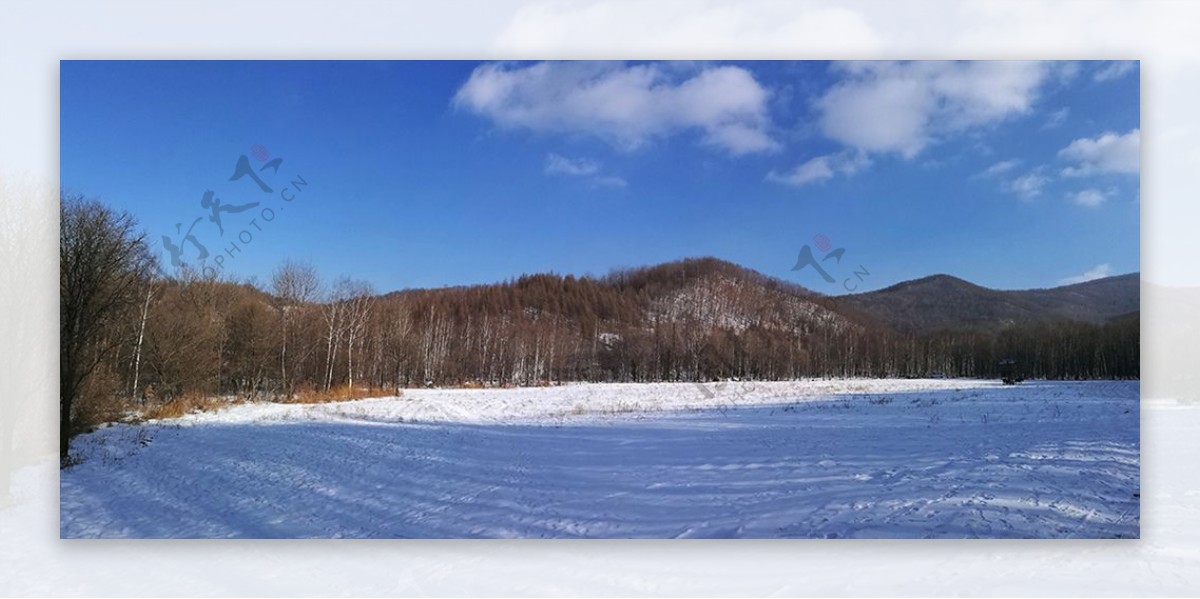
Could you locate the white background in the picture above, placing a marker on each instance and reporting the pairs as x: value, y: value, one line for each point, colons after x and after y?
x: 34, y: 36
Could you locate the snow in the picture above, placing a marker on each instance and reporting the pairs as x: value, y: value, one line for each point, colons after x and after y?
x: 825, y: 459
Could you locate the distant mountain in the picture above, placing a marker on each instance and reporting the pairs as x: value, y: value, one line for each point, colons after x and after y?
x: 1094, y: 301
x: 944, y: 302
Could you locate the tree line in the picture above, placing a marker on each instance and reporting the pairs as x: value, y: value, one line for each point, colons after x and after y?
x: 133, y: 333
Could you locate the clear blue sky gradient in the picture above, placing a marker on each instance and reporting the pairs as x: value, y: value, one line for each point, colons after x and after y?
x: 407, y: 190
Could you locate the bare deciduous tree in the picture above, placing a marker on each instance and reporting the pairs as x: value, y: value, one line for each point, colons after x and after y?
x: 356, y: 297
x: 103, y: 263
x: 295, y: 285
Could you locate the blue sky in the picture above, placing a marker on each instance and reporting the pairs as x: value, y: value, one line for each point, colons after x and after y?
x: 423, y: 174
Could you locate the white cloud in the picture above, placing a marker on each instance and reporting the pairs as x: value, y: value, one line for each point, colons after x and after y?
x: 1115, y: 70
x: 817, y: 169
x: 624, y: 105
x: 904, y: 107
x: 1000, y: 168
x: 822, y: 168
x: 1091, y: 197
x: 1028, y: 186
x: 1097, y: 272
x: 579, y: 167
x: 1109, y: 153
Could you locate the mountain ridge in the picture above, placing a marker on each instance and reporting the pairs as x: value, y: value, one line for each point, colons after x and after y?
x: 700, y: 288
x: 945, y: 302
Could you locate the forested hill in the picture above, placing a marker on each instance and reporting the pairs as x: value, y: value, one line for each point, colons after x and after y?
x: 703, y: 291
x: 718, y: 293
x: 943, y: 302
x: 691, y: 320
x: 130, y: 331
x: 702, y: 318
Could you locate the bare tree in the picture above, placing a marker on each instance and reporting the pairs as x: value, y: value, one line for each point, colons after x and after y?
x: 137, y: 354
x: 296, y: 285
x: 334, y: 313
x: 356, y: 297
x: 103, y: 261
x: 435, y: 342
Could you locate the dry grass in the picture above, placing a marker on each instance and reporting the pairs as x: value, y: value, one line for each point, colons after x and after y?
x: 342, y: 393
x: 182, y: 405
x: 92, y: 410
x: 100, y: 401
x: 96, y: 408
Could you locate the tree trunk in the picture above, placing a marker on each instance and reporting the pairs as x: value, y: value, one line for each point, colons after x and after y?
x: 137, y: 360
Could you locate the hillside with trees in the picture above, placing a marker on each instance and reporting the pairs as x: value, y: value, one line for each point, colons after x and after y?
x: 943, y: 302
x: 132, y: 334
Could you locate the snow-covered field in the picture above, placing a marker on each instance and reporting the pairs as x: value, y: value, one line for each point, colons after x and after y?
x: 845, y: 459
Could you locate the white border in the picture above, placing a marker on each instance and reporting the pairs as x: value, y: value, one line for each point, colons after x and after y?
x: 35, y: 35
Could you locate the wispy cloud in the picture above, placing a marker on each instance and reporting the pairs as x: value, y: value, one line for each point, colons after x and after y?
x: 627, y: 106
x: 999, y: 168
x: 1109, y: 153
x: 1091, y: 197
x: 1097, y: 272
x: 1056, y: 118
x: 585, y: 168
x: 1115, y: 70
x: 1028, y: 186
x: 610, y: 181
x: 561, y: 165
x: 822, y: 168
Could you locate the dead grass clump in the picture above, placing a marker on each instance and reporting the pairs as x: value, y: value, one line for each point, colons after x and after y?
x: 309, y: 394
x: 100, y: 401
x: 624, y: 408
x: 182, y: 405
x: 93, y: 410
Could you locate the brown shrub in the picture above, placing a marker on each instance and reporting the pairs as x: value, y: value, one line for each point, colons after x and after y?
x: 100, y: 401
x: 101, y: 404
x: 308, y: 394
x: 182, y: 405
